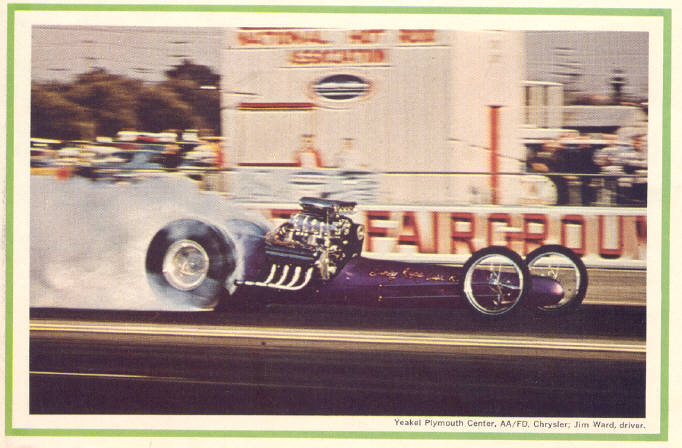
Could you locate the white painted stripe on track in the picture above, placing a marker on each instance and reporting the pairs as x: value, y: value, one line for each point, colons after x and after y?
x: 345, y: 336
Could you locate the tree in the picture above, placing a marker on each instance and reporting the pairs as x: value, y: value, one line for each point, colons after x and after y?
x: 204, y: 103
x: 200, y: 74
x: 160, y: 108
x: 98, y: 103
x: 199, y: 87
x: 111, y: 100
x: 53, y: 116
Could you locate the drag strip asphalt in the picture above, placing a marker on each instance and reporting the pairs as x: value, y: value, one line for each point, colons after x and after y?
x: 341, y: 361
x: 341, y: 339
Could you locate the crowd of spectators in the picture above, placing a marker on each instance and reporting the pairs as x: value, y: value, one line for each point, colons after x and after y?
x: 609, y: 169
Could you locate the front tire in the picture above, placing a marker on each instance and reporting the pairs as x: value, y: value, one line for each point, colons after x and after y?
x: 188, y: 262
x: 495, y: 281
x: 565, y: 267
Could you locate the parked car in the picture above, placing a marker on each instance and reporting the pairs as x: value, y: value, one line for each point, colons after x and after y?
x: 44, y: 152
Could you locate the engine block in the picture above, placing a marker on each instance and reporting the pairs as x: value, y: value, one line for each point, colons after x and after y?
x: 320, y: 235
x: 314, y: 243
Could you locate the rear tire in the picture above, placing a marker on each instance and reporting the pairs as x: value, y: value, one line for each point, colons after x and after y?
x: 188, y: 262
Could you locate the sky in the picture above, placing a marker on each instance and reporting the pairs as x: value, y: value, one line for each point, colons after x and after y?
x: 60, y: 53
x: 594, y: 55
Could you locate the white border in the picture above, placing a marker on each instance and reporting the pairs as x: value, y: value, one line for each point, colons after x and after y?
x: 25, y: 19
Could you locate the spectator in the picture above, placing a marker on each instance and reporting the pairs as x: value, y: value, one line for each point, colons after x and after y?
x: 637, y: 163
x: 349, y: 158
x: 624, y: 159
x: 308, y: 156
x: 636, y: 159
x: 611, y: 157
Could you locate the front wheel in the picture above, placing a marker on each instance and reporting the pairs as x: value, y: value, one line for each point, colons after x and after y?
x: 564, y: 266
x: 495, y: 281
x: 188, y: 262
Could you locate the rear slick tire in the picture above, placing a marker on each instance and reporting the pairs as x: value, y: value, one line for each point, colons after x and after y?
x: 188, y: 262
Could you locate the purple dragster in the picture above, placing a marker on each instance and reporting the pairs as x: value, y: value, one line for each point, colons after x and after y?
x: 315, y: 257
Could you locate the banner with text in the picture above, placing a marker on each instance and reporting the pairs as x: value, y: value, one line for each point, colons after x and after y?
x: 603, y: 237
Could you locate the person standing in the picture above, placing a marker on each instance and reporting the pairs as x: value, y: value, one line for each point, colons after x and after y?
x: 349, y: 158
x: 308, y: 156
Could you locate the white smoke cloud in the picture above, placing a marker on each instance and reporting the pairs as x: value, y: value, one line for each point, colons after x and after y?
x: 89, y: 239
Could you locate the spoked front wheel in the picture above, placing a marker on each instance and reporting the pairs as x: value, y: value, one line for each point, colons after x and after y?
x: 495, y: 281
x: 563, y: 266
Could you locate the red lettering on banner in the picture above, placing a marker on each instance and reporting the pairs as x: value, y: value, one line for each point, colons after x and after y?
x: 409, y: 223
x: 280, y: 37
x: 434, y: 236
x: 373, y: 231
x: 576, y: 220
x: 535, y: 238
x: 498, y: 218
x: 457, y: 236
x: 640, y: 225
x: 605, y: 252
x: 364, y: 36
x: 417, y: 36
x: 640, y: 237
x: 337, y: 57
x: 599, y: 235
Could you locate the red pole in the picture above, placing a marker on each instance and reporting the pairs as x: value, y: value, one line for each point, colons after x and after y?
x: 493, y: 152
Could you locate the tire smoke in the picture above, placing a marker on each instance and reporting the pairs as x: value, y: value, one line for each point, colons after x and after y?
x: 89, y: 239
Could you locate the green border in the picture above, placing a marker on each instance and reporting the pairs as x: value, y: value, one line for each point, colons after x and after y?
x: 665, y: 14
x: 9, y: 224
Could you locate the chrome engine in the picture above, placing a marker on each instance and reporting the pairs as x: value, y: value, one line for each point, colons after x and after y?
x: 315, y: 243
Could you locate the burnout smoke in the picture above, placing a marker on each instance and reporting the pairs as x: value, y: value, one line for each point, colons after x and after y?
x: 89, y: 239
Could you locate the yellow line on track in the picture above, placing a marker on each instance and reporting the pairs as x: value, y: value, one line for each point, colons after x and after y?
x: 345, y: 336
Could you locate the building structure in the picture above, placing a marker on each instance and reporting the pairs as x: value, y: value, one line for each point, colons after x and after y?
x: 417, y: 101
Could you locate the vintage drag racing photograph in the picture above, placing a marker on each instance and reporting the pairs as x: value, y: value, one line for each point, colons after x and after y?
x: 303, y: 219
